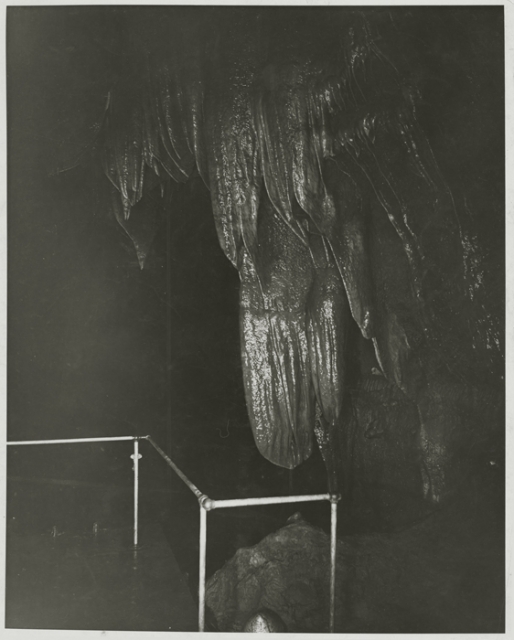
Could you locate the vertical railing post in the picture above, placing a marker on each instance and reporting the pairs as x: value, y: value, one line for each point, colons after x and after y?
x: 201, y: 577
x: 333, y: 549
x: 136, y: 457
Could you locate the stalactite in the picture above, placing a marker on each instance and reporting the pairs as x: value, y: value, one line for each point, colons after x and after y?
x: 296, y: 142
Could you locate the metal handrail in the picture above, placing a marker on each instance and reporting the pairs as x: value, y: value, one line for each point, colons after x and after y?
x: 207, y: 504
x: 71, y: 440
x: 135, y: 456
x: 250, y: 502
x: 179, y: 473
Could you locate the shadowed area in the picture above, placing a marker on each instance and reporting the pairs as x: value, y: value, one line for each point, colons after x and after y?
x: 88, y: 581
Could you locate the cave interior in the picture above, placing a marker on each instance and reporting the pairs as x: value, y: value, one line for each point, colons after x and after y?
x: 274, y: 240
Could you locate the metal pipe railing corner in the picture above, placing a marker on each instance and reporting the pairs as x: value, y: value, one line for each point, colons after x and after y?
x: 207, y: 504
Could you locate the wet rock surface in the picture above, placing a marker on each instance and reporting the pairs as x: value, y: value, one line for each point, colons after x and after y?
x: 330, y: 200
x: 443, y: 575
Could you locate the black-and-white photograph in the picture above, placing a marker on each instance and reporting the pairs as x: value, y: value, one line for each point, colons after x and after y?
x: 256, y: 318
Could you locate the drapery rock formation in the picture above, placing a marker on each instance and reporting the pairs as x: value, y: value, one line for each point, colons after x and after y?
x: 330, y: 203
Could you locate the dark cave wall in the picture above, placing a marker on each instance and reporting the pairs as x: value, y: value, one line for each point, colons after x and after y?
x: 78, y: 362
x: 97, y: 346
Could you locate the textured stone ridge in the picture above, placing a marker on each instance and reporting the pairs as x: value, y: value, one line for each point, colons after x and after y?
x: 444, y: 575
x: 287, y: 572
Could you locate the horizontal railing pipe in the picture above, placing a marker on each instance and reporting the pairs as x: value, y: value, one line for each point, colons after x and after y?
x: 72, y: 440
x: 250, y: 502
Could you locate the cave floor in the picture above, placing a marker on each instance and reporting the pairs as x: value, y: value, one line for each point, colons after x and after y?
x: 77, y: 580
x: 443, y: 574
x: 96, y: 582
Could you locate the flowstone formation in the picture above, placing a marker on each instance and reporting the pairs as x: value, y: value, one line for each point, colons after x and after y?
x: 329, y: 201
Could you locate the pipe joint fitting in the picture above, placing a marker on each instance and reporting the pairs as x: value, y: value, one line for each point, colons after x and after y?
x: 206, y: 503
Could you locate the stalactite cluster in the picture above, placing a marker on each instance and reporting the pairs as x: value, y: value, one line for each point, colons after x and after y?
x: 305, y: 132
